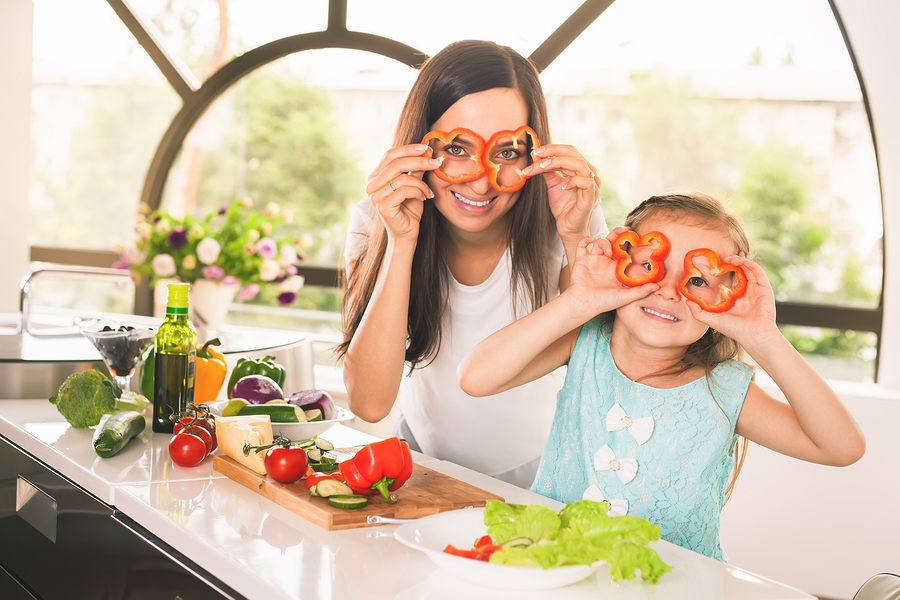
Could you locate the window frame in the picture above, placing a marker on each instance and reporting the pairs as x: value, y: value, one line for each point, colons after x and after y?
x: 198, y: 96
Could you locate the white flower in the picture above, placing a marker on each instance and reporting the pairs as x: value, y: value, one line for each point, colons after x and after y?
x: 288, y: 215
x: 189, y: 262
x: 273, y: 208
x: 143, y: 230
x: 287, y: 256
x: 163, y: 265
x: 163, y: 227
x: 269, y: 270
x: 208, y: 250
x: 292, y: 284
x: 266, y: 228
x: 196, y: 231
x: 253, y: 235
x: 132, y: 255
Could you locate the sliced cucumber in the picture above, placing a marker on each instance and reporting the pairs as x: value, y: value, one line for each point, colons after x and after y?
x: 314, y: 491
x: 314, y: 455
x: 313, y: 414
x: 323, y: 445
x: 350, y: 501
x: 324, y: 467
x: 333, y: 487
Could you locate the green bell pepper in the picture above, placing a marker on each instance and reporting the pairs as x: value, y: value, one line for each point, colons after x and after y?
x: 256, y: 366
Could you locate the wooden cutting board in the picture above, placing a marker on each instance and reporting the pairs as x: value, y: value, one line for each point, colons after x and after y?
x: 425, y: 493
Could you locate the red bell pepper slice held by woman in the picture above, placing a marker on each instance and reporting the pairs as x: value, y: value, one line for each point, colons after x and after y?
x: 477, y: 155
x: 728, y: 294
x: 623, y: 258
x: 380, y: 466
x: 494, y: 169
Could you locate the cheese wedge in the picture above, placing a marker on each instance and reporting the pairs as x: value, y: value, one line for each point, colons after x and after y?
x: 232, y: 433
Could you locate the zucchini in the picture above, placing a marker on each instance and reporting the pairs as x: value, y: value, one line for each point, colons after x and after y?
x: 324, y: 467
x: 313, y: 414
x: 347, y: 501
x: 112, y: 435
x: 332, y: 487
x: 323, y: 445
x: 278, y: 413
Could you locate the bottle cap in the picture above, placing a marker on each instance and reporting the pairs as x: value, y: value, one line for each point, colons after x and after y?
x: 178, y: 297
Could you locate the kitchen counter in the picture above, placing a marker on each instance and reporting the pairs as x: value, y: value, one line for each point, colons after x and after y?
x: 259, y: 549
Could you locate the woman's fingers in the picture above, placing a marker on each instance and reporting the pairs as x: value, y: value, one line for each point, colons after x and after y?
x: 399, y: 167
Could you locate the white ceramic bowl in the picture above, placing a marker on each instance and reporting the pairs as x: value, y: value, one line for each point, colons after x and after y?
x: 461, y: 528
x: 295, y: 431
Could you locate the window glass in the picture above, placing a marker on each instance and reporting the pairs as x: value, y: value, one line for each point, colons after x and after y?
x: 192, y: 30
x: 523, y: 25
x: 99, y: 109
x: 764, y: 112
x: 302, y: 132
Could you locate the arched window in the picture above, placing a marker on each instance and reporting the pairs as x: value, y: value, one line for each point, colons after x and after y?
x: 295, y: 102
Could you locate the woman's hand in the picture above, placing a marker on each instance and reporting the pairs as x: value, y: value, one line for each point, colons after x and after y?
x: 751, y: 319
x: 594, y: 288
x: 398, y: 192
x: 573, y: 187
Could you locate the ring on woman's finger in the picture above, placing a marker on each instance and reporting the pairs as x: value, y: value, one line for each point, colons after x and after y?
x: 391, y: 183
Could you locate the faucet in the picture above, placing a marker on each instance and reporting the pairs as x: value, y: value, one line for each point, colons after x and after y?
x: 64, y: 272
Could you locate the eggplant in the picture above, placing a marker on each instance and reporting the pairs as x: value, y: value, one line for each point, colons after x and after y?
x: 311, y: 399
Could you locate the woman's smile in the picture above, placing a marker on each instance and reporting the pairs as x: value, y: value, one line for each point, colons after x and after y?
x: 472, y: 202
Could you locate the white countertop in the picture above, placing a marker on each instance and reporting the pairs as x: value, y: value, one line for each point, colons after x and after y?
x: 263, y: 550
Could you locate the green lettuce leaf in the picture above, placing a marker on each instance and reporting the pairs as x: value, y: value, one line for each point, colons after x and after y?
x: 510, y: 521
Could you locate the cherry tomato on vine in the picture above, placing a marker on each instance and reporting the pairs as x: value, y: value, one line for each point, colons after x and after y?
x: 187, y: 449
x: 286, y: 465
x: 209, y: 426
x: 202, y: 433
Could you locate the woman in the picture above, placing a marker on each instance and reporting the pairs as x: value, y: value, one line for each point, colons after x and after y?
x: 435, y: 267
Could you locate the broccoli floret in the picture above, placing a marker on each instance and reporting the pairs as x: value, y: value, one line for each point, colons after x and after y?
x: 85, y: 397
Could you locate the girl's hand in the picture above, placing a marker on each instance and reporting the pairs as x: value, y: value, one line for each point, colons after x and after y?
x: 751, y: 319
x: 398, y: 192
x: 594, y: 288
x: 572, y: 185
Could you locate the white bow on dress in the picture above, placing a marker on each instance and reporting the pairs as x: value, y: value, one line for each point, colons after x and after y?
x: 617, y: 507
x: 605, y: 460
x: 640, y: 429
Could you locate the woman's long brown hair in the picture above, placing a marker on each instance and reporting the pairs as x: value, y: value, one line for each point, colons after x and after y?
x: 713, y: 348
x: 460, y: 69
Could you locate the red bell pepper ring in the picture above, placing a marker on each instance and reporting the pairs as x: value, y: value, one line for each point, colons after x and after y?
x: 380, y: 466
x: 478, y: 156
x: 623, y: 258
x: 494, y: 169
x: 315, y: 478
x: 728, y: 293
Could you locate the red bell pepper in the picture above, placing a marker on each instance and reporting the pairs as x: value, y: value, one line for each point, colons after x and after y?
x: 381, y: 466
x: 478, y: 156
x: 728, y: 293
x: 494, y: 169
x: 315, y: 478
x: 623, y: 258
x: 484, y: 547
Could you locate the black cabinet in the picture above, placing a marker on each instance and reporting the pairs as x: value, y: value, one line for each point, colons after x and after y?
x: 57, y: 541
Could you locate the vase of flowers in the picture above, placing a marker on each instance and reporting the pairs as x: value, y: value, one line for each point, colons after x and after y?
x: 226, y: 256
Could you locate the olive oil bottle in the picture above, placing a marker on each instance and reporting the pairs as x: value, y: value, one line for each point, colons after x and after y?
x: 176, y: 351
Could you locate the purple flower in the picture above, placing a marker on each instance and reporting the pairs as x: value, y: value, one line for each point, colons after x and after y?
x: 213, y: 272
x: 286, y: 298
x: 223, y: 210
x: 291, y: 270
x: 248, y: 292
x: 267, y: 248
x: 230, y: 280
x: 178, y: 238
x: 120, y: 264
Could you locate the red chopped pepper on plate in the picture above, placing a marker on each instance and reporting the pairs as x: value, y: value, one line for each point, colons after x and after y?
x: 623, y: 258
x: 494, y: 169
x: 484, y: 547
x: 380, y: 466
x: 728, y: 293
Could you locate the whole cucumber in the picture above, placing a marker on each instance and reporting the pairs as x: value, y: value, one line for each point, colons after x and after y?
x: 116, y: 431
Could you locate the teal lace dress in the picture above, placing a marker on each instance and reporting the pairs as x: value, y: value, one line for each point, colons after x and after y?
x: 661, y: 454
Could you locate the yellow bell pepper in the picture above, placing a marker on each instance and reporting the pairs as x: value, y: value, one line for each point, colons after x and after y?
x: 209, y: 372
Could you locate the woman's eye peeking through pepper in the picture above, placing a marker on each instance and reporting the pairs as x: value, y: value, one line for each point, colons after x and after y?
x: 697, y: 282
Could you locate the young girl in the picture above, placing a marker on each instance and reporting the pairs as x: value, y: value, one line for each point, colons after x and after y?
x: 654, y: 399
x: 435, y: 266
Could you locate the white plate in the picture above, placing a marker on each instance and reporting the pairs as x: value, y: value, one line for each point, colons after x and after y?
x: 461, y: 528
x: 295, y: 431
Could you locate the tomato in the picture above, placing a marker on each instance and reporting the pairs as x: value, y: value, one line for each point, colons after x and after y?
x: 209, y: 426
x: 200, y: 432
x: 286, y: 465
x: 187, y: 449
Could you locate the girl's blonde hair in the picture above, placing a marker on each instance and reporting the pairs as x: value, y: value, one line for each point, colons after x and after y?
x: 708, y: 212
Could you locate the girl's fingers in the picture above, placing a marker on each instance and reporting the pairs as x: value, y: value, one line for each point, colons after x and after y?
x: 582, y: 248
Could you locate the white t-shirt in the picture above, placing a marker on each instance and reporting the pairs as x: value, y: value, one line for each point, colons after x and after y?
x: 494, y: 434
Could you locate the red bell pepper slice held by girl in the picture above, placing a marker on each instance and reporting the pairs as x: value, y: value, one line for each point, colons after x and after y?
x: 477, y: 155
x: 494, y: 169
x: 380, y: 466
x: 623, y: 258
x: 728, y: 293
